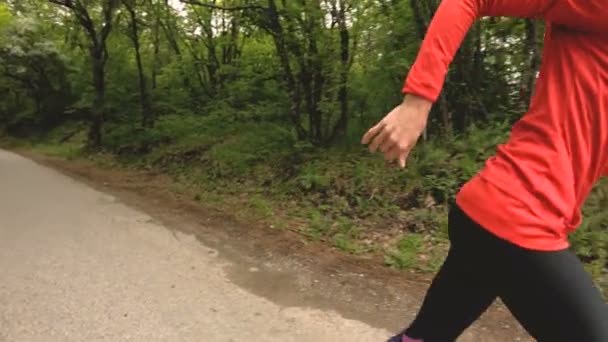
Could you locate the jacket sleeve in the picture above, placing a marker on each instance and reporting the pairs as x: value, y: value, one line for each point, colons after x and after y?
x: 449, y: 26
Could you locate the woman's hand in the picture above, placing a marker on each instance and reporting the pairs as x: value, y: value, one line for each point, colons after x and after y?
x: 398, y: 132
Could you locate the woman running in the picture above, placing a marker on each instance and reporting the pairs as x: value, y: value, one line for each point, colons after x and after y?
x: 509, y: 228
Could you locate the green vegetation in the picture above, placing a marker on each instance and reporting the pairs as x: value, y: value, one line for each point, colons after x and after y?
x: 259, y: 106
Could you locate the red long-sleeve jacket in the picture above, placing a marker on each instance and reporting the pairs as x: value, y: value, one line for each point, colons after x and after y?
x: 531, y: 192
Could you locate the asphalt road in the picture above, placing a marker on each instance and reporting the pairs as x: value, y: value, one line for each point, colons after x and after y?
x: 77, y: 265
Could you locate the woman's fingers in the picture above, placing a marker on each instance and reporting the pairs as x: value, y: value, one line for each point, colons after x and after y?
x: 399, y: 154
x: 403, y: 159
x: 384, y: 139
x: 379, y: 140
x: 367, y: 138
x: 391, y: 154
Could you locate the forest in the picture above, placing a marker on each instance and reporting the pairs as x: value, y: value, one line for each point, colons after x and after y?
x: 260, y: 105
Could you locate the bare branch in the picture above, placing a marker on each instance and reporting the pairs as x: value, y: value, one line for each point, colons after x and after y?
x: 223, y: 8
x: 65, y: 3
x: 81, y: 14
x: 107, y: 14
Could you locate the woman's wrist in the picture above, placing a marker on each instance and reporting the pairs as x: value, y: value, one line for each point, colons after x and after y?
x: 418, y: 102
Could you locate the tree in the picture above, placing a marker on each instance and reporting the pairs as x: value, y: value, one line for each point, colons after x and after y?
x: 335, y: 63
x: 33, y: 74
x: 98, y: 53
x: 133, y: 34
x: 314, y: 55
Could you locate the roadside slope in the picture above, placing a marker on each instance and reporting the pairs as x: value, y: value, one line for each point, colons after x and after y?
x: 278, y: 264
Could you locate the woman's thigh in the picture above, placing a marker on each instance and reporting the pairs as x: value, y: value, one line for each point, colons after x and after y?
x: 553, y: 297
x: 463, y: 288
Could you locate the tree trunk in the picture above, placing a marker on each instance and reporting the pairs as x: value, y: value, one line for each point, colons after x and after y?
x: 98, y: 110
x: 418, y: 18
x: 342, y: 122
x: 146, y: 107
x: 294, y: 93
x: 445, y: 113
x: 533, y: 53
x: 156, y: 52
x: 318, y: 81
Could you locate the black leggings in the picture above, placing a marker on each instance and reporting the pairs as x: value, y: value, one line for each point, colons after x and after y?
x: 549, y: 293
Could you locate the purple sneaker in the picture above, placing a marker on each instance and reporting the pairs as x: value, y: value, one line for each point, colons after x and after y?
x: 402, y: 338
x: 396, y: 338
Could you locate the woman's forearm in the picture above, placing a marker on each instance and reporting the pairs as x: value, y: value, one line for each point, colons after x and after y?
x: 449, y: 26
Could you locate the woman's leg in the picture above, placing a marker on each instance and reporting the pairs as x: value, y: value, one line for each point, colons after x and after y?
x: 462, y: 290
x: 549, y: 293
x: 553, y: 297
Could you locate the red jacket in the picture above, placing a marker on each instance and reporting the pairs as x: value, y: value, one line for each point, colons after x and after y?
x: 531, y: 192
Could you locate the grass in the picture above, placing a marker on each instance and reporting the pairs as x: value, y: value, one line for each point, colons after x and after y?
x: 406, y: 252
x: 66, y: 151
x: 261, y: 207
